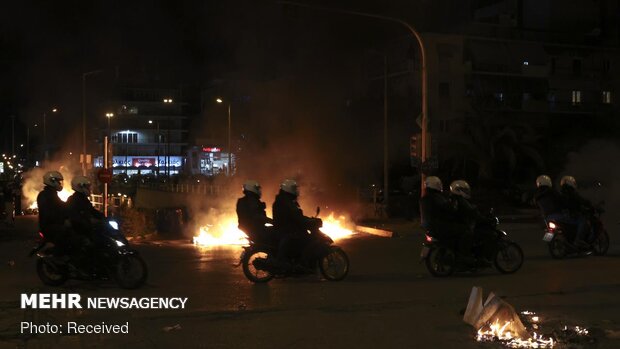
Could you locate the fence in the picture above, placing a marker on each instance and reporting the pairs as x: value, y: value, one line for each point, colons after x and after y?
x: 114, y: 202
x: 205, y: 189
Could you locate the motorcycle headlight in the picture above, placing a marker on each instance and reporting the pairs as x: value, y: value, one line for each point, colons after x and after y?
x: 113, y: 224
x: 119, y: 243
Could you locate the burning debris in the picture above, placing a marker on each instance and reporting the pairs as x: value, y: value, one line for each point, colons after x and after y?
x: 225, y: 232
x: 497, y: 321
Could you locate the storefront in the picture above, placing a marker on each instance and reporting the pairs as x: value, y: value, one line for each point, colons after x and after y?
x: 209, y: 161
x: 144, y: 165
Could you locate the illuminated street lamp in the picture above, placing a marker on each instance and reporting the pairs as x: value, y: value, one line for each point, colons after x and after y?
x: 158, y: 137
x: 109, y: 116
x: 167, y: 148
x: 219, y: 100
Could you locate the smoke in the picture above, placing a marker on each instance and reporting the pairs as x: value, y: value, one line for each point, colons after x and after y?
x: 33, y: 180
x: 598, y: 176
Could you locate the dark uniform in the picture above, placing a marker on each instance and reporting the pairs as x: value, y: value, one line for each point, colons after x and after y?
x: 440, y: 217
x: 82, y: 213
x: 471, y: 216
x: 548, y: 201
x: 52, y: 215
x: 577, y: 208
x: 252, y: 218
x: 291, y: 225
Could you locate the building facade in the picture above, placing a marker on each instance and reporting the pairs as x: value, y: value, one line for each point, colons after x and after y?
x: 148, y: 132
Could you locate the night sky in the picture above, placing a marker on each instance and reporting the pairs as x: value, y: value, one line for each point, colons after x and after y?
x: 317, y: 59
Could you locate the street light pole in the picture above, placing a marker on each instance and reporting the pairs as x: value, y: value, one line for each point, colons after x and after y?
x: 158, y: 137
x: 84, y: 75
x: 425, y: 152
x: 229, y: 147
x: 13, y: 134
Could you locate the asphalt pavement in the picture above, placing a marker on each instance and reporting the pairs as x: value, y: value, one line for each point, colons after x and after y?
x: 388, y: 299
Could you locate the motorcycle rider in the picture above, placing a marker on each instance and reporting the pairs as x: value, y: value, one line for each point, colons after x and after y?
x: 84, y: 218
x: 82, y: 214
x: 440, y: 217
x: 548, y: 200
x: 290, y: 222
x: 469, y: 214
x: 577, y: 207
x: 53, y: 212
x: 251, y: 213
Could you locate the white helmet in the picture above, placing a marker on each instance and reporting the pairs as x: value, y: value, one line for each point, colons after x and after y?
x: 53, y: 179
x: 81, y: 184
x: 568, y: 180
x: 290, y: 186
x: 543, y: 181
x: 461, y: 188
x: 433, y: 182
x: 253, y: 186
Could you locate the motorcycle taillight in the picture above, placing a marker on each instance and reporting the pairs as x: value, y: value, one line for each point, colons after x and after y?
x: 41, y: 235
x: 429, y: 238
x: 552, y: 226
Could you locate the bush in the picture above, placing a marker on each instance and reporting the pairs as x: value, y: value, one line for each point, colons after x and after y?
x: 136, y: 222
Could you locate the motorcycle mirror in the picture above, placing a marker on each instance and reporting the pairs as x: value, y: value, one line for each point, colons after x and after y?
x: 318, y: 210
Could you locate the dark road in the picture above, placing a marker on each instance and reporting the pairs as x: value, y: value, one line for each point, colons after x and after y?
x: 388, y: 299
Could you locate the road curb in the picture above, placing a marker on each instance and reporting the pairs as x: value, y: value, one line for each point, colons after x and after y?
x: 375, y: 231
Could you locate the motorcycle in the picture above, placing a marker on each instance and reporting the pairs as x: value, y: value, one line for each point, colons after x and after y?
x: 560, y: 236
x: 441, y: 259
x: 112, y: 257
x: 260, y: 265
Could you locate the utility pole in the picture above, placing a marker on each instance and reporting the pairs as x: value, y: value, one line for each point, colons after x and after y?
x: 425, y: 152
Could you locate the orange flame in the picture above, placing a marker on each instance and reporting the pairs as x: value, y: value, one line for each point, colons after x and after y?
x: 497, y: 331
x: 63, y: 195
x: 226, y: 231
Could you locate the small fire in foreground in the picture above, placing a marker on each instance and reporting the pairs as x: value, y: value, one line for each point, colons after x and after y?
x: 227, y: 233
x: 498, y: 332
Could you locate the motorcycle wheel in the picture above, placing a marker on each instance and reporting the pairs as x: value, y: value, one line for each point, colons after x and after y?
x: 601, y: 245
x: 251, y: 271
x: 334, y: 265
x: 557, y: 247
x: 509, y: 258
x: 49, y: 274
x: 441, y: 261
x: 130, y: 271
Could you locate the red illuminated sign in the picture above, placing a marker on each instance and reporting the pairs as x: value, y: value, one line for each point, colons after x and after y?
x: 211, y: 149
x: 146, y: 162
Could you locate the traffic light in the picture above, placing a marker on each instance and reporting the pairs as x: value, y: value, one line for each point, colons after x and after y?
x: 414, y: 146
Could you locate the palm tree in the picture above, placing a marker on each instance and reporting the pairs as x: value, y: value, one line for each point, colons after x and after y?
x: 496, y: 150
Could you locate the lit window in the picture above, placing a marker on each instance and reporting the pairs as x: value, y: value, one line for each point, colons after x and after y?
x: 607, y: 97
x: 576, y: 97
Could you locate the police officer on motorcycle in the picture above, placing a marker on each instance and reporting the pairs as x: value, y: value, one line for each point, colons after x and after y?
x: 251, y: 213
x: 548, y: 200
x: 470, y: 215
x: 53, y: 212
x: 440, y: 217
x: 84, y: 219
x: 83, y: 216
x: 290, y: 222
x: 577, y: 207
